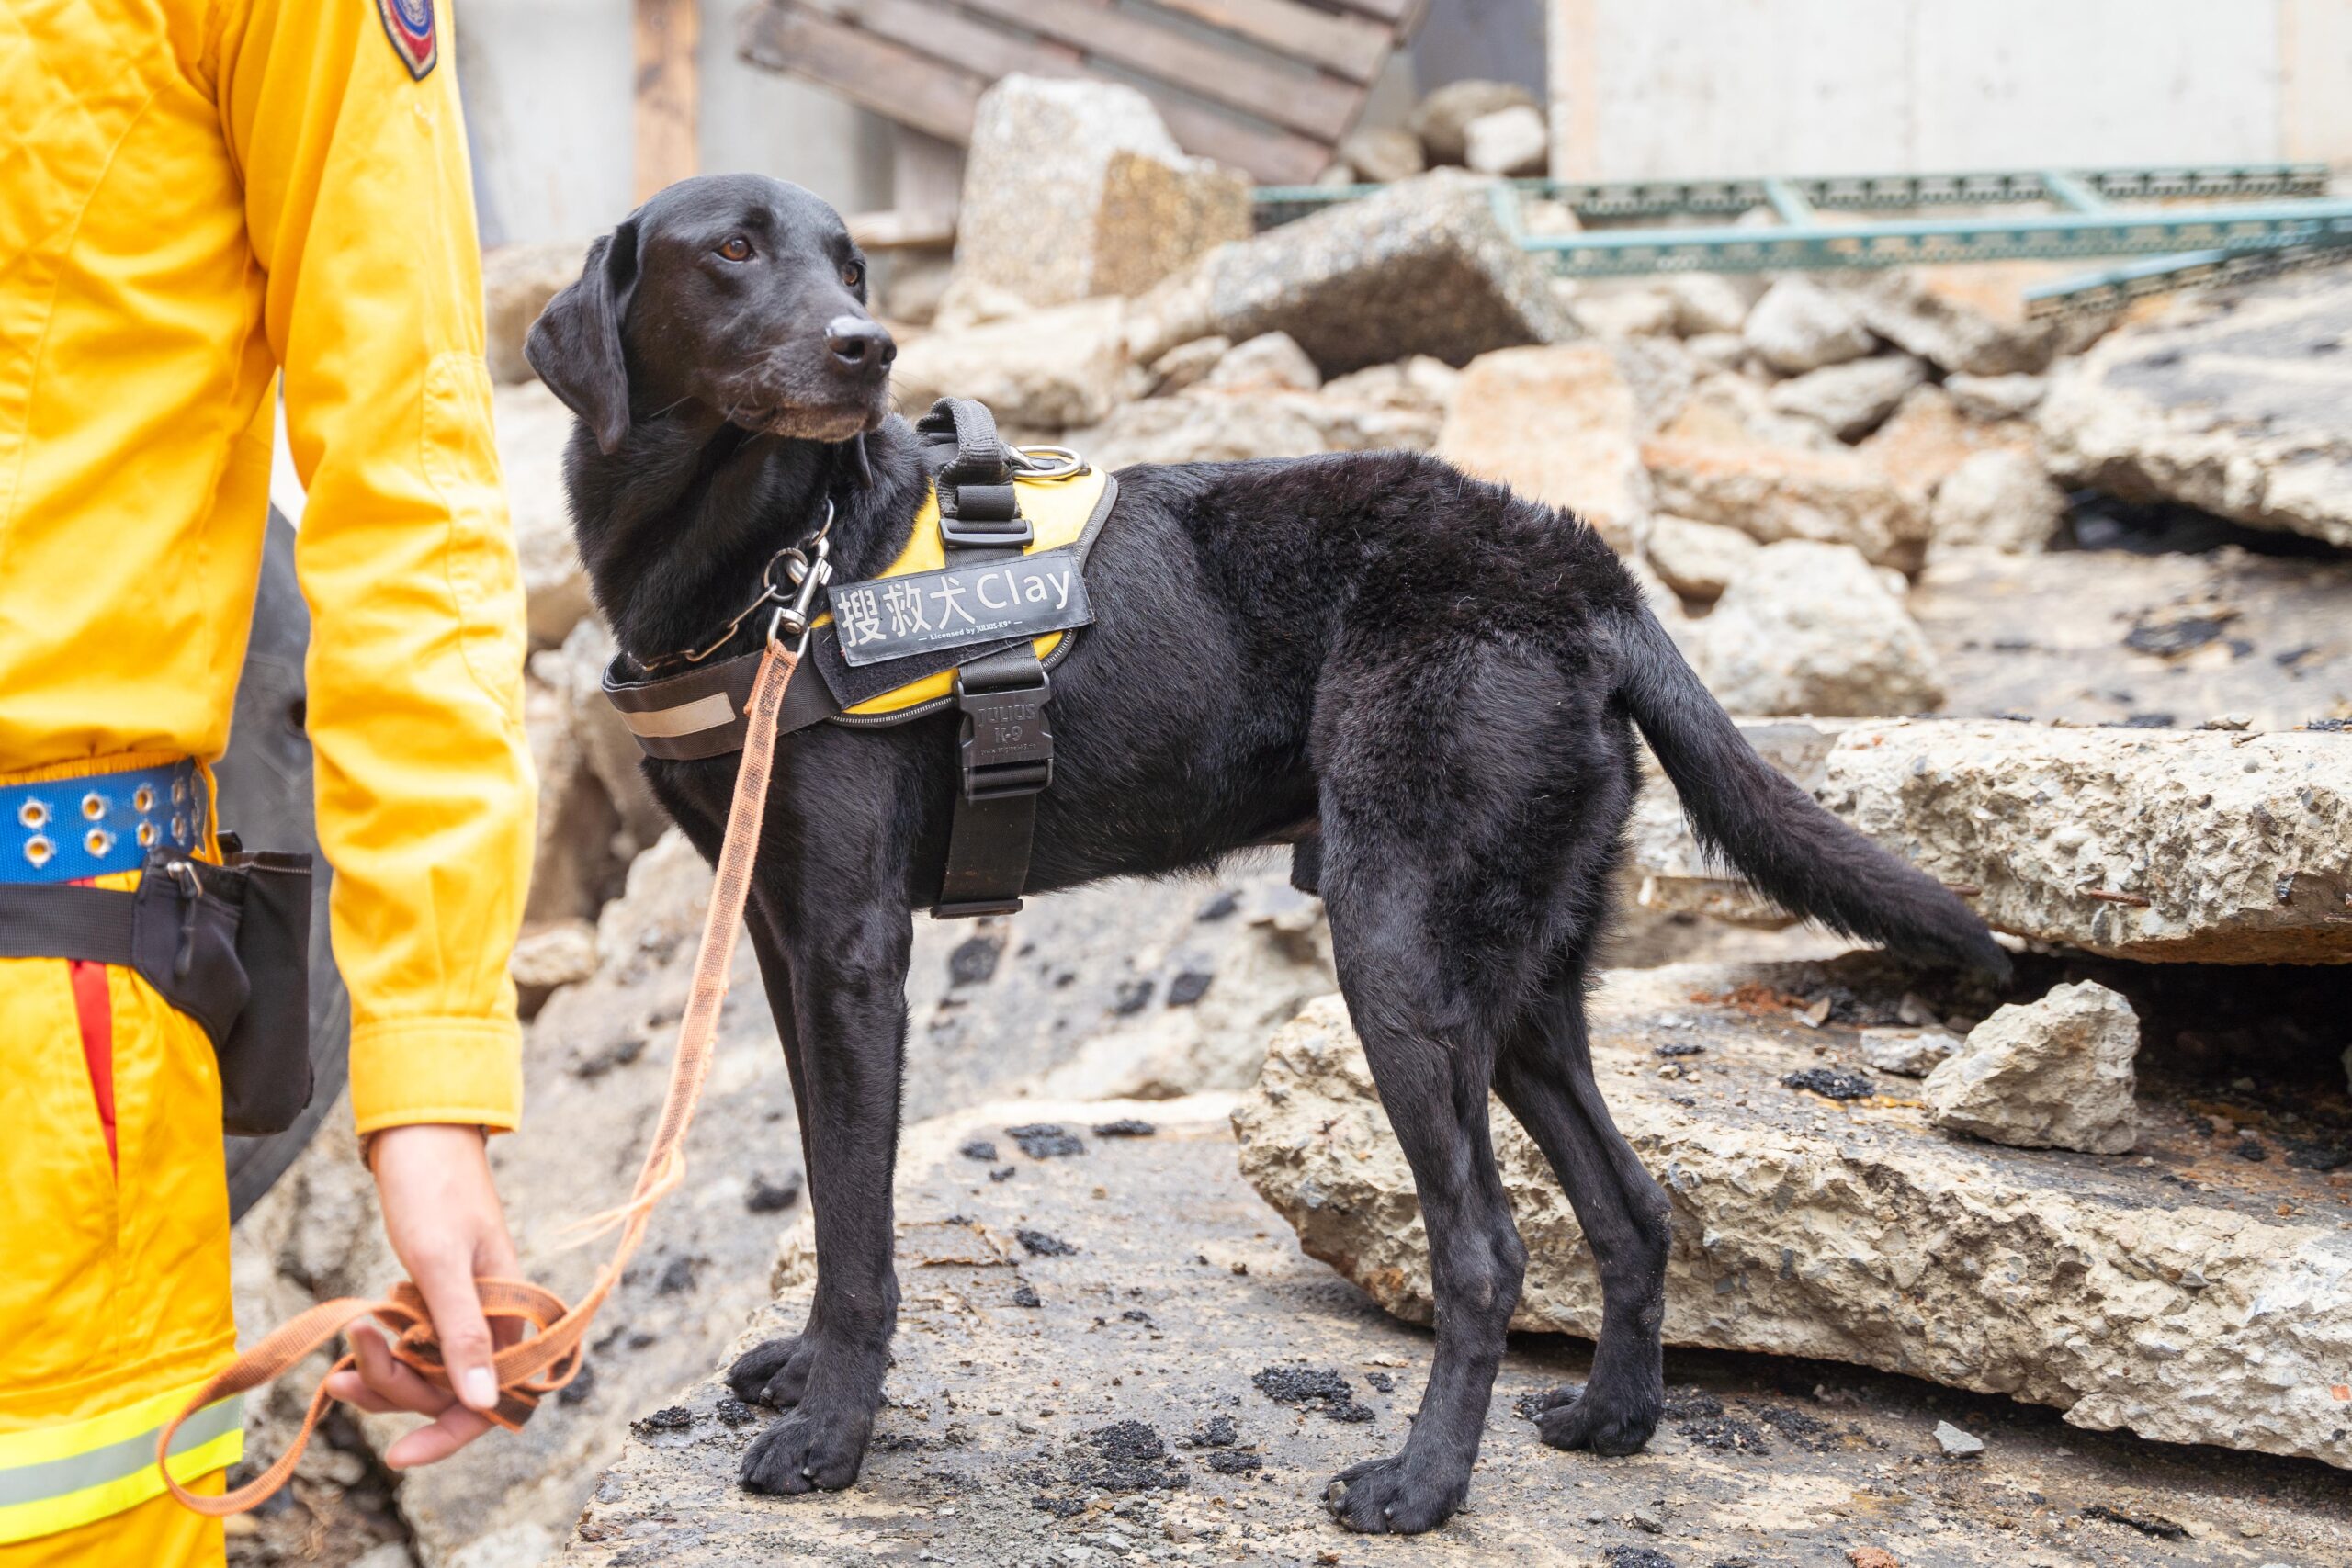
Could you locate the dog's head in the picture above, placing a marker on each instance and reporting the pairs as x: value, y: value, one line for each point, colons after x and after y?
x: 739, y: 292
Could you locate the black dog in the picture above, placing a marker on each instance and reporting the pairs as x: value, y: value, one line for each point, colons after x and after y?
x: 1433, y: 681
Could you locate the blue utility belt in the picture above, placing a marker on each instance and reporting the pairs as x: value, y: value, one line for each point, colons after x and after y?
x: 67, y: 829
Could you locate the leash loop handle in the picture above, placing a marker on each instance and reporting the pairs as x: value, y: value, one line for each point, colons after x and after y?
x: 548, y: 1355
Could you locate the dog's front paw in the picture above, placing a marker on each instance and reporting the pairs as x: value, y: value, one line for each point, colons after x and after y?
x: 774, y: 1373
x: 1382, y: 1496
x: 1592, y: 1418
x: 806, y: 1451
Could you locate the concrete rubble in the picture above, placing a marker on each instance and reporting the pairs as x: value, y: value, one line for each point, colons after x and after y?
x: 2201, y: 1313
x: 991, y: 1448
x: 1554, y: 424
x: 1777, y: 492
x: 2161, y: 846
x: 1698, y: 561
x: 1422, y: 266
x: 1799, y: 326
x: 1852, y: 399
x: 1967, y: 320
x: 1046, y: 370
x: 1807, y: 627
x: 2052, y: 1073
x: 1997, y: 500
x: 1074, y: 188
x: 1441, y: 120
x: 2223, y: 402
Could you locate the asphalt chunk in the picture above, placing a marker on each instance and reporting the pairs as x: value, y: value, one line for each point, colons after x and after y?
x: 1045, y: 1140
x: 1125, y: 1127
x: 1042, y: 1244
x: 979, y: 1149
x: 1831, y: 1084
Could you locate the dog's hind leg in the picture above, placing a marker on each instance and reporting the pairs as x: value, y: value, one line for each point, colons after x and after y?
x: 1545, y: 1075
x: 776, y: 1371
x: 1431, y: 1058
x: 848, y: 997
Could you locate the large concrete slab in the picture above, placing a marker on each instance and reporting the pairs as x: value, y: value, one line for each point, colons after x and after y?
x: 1184, y: 1285
x: 2231, y: 401
x: 2163, y: 845
x: 2186, y: 1293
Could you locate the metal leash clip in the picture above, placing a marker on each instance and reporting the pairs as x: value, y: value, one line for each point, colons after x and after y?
x: 812, y: 572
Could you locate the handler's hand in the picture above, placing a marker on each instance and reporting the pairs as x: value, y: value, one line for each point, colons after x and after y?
x: 441, y: 1211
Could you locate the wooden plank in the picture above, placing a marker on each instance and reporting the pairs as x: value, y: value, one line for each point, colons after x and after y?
x: 1269, y: 157
x: 868, y: 70
x: 784, y: 35
x: 668, y: 147
x: 1352, y: 47
x: 901, y: 229
x: 1319, y: 106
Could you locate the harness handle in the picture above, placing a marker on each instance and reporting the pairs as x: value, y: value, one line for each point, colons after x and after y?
x: 549, y: 1356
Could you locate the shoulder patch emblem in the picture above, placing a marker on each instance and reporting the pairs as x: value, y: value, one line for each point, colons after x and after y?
x: 409, y: 24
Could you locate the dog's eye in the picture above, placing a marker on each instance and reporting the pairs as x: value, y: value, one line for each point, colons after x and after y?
x: 735, y: 248
x: 853, y: 275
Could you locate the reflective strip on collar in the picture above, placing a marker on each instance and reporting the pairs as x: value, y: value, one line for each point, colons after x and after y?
x: 687, y: 718
x: 57, y: 1478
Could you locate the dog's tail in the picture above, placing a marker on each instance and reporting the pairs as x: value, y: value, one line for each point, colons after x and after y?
x: 1779, y: 837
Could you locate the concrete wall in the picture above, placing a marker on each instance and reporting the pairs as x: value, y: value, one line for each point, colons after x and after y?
x: 1805, y: 86
x: 546, y: 87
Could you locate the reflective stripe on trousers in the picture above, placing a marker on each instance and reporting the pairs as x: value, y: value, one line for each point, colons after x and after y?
x: 57, y: 1478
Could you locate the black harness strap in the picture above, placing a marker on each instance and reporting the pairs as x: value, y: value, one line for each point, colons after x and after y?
x: 1006, y: 751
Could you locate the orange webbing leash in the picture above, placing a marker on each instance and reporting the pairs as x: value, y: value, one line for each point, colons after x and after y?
x: 549, y: 1356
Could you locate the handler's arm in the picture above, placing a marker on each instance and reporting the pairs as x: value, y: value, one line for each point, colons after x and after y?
x: 361, y: 214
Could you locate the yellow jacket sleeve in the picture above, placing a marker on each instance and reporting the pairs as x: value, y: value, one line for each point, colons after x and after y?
x: 361, y: 215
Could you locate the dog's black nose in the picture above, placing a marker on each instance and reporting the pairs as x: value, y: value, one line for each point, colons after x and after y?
x: 860, y: 345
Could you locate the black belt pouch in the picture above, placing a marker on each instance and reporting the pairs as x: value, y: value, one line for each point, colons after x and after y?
x: 230, y: 946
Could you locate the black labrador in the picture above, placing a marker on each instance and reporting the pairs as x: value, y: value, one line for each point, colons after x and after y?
x: 1430, y: 681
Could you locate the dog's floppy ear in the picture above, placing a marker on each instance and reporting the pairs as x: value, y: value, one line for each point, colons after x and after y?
x: 575, y: 345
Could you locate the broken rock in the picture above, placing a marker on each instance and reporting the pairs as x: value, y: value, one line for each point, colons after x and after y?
x: 1998, y: 500
x: 1422, y: 266
x: 1556, y: 424
x: 2223, y: 402
x: 1852, y: 399
x: 2057, y: 1074
x: 1046, y: 370
x: 517, y: 281
x: 1383, y: 155
x: 1074, y: 188
x: 1709, y: 302
x: 1928, y: 437
x: 2096, y: 1286
x: 1810, y: 628
x: 1992, y: 397
x: 1441, y: 120
x: 1512, y: 141
x: 1800, y: 326
x: 1270, y: 362
x: 1774, y: 493
x: 2160, y: 845
x: 1966, y: 320
x: 1699, y: 560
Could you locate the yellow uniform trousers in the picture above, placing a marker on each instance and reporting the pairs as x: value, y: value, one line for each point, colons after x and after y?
x: 114, y: 1295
